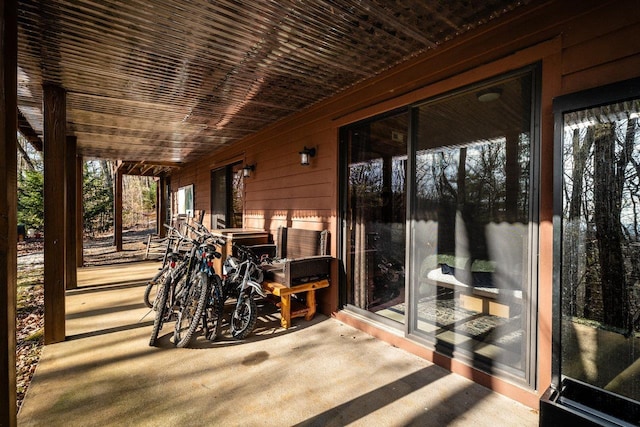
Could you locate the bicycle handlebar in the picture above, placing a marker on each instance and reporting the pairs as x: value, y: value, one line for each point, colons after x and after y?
x: 204, y: 234
x: 247, y: 251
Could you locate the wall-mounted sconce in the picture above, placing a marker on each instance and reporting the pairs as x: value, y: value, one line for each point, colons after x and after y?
x: 489, y: 95
x: 306, y: 154
x: 247, y: 169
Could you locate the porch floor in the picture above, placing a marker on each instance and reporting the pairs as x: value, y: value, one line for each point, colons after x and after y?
x: 317, y: 373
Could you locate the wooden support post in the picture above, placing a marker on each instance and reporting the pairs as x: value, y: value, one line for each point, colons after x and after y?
x: 8, y: 209
x: 79, y: 211
x: 55, y: 212
x: 70, y: 262
x: 159, y: 226
x: 117, y: 212
x: 161, y: 206
x: 164, y: 207
x: 311, y: 304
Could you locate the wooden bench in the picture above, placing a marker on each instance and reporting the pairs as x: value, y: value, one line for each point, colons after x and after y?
x: 289, y: 311
x: 301, y: 267
x: 482, y: 299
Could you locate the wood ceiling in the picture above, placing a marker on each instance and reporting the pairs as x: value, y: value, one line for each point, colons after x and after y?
x: 169, y: 81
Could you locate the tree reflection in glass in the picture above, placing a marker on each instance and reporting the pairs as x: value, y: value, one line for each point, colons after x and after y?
x: 601, y: 248
x: 472, y: 224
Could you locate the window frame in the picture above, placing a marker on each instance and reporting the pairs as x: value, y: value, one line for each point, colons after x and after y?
x: 529, y: 377
x: 185, y: 200
x: 227, y: 170
x: 344, y: 234
x: 590, y: 98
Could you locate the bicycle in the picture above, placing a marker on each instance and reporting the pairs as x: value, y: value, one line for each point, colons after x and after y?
x: 175, y: 290
x: 243, y: 279
x: 202, y: 296
x: 164, y: 301
x: 174, y: 241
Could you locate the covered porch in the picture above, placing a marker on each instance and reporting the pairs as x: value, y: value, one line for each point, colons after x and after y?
x: 159, y: 86
x: 106, y: 374
x: 252, y: 113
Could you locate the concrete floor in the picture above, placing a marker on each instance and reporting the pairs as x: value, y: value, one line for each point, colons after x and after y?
x: 317, y: 373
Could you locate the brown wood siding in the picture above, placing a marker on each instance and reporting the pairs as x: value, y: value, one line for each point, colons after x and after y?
x: 581, y: 44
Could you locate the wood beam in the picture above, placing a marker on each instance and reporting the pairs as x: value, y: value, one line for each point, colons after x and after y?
x: 55, y: 212
x: 79, y: 211
x: 70, y: 262
x: 117, y: 211
x: 8, y: 210
x: 144, y: 170
x: 27, y: 131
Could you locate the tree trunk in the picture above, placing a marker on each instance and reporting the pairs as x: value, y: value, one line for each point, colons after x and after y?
x: 608, y: 181
x: 580, y: 153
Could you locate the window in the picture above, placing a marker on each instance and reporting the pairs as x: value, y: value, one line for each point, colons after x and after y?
x: 185, y: 200
x: 227, y: 197
x: 376, y: 192
x: 440, y: 225
x: 598, y: 236
x: 472, y: 222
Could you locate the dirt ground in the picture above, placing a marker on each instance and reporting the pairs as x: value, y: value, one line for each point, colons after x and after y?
x: 30, y: 307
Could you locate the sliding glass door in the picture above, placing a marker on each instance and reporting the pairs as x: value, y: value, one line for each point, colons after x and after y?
x: 459, y: 171
x: 376, y: 172
x: 472, y: 223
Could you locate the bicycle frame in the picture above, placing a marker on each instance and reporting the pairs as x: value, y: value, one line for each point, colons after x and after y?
x: 249, y: 265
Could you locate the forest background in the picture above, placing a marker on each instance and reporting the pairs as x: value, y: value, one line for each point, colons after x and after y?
x: 139, y: 194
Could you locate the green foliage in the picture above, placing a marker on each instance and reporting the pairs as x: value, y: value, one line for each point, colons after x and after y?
x: 31, y: 199
x: 98, y: 199
x: 149, y: 197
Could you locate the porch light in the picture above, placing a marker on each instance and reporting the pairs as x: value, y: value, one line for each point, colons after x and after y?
x: 306, y: 154
x: 489, y: 94
x: 247, y: 169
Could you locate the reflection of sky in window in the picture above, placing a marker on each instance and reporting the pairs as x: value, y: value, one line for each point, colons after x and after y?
x: 433, y: 163
x: 399, y: 174
x: 368, y: 175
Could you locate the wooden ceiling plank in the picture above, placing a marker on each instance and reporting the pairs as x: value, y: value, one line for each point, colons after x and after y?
x: 173, y: 80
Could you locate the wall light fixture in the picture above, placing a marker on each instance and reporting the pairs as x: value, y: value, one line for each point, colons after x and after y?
x: 247, y: 169
x: 306, y: 154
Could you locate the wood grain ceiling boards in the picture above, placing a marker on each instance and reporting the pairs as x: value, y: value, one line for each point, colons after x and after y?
x: 169, y: 81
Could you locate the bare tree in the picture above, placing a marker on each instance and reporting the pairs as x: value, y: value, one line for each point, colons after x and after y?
x: 580, y: 154
x: 609, y: 178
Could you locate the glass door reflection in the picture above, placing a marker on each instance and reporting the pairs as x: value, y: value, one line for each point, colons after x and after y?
x: 376, y: 215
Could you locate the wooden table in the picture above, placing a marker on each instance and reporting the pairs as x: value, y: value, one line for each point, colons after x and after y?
x: 241, y: 236
x: 284, y: 292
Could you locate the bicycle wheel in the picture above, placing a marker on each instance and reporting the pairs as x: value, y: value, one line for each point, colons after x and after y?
x: 215, y: 308
x: 160, y: 305
x: 244, y: 317
x: 191, y: 308
x: 149, y: 295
